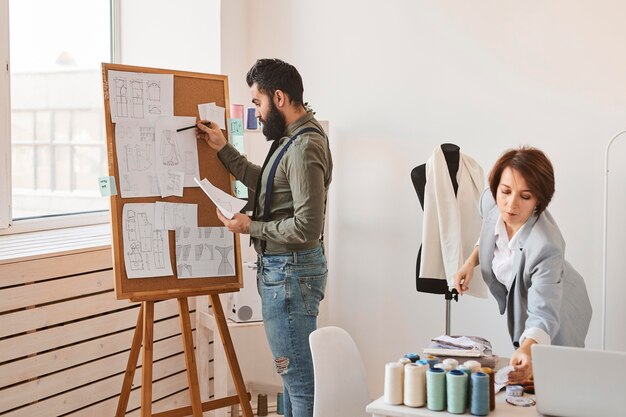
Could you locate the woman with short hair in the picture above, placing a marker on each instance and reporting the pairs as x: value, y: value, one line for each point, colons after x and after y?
x: 521, y: 254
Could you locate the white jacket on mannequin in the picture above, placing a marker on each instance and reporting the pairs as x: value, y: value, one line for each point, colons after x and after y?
x: 452, y: 223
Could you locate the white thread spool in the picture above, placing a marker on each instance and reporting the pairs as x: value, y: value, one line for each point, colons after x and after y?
x: 393, y: 383
x: 452, y: 362
x: 473, y: 365
x: 445, y: 366
x: 404, y: 361
x: 415, y: 385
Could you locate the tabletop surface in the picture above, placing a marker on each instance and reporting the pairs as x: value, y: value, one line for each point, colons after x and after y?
x: 503, y: 409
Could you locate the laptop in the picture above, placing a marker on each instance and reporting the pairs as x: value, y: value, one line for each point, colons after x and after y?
x: 576, y: 382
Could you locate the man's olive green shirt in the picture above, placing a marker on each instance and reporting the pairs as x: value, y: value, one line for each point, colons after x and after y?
x: 296, y: 218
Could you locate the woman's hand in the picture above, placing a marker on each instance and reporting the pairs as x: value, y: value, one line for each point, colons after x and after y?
x: 464, y: 275
x: 211, y: 133
x: 521, y: 361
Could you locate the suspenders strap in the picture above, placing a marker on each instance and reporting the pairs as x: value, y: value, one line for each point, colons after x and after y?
x: 272, y: 174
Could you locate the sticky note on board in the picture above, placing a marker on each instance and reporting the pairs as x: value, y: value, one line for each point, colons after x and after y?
x: 107, y: 186
x: 235, y: 127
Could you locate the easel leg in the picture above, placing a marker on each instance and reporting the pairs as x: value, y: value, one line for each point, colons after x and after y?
x: 122, y: 403
x: 190, y: 357
x: 146, y: 361
x: 231, y: 356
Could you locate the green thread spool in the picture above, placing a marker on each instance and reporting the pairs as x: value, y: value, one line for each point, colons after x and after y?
x: 436, y: 389
x: 456, y: 387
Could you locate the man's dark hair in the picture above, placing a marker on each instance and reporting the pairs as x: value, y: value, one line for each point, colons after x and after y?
x: 273, y: 74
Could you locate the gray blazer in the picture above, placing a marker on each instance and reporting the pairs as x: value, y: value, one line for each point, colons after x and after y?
x: 547, y: 292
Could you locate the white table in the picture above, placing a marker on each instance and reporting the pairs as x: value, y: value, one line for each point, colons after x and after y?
x: 378, y: 408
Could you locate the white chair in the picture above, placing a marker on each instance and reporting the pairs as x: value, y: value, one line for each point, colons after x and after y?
x: 340, y: 381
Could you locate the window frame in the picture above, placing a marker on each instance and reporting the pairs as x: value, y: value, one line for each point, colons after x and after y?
x: 7, y: 224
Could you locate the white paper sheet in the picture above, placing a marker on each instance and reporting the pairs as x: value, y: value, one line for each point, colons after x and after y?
x: 169, y: 216
x: 227, y: 204
x: 213, y: 113
x: 140, y: 96
x: 204, y: 252
x: 135, y: 148
x: 146, y: 249
x: 171, y: 183
x: 177, y: 151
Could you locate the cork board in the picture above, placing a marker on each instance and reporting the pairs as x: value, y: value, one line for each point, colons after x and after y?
x: 190, y: 89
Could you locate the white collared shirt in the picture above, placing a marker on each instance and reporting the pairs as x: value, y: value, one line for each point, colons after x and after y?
x: 502, y: 266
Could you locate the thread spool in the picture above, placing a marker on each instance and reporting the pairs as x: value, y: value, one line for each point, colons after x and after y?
x: 445, y: 366
x: 432, y: 360
x: 404, y: 361
x: 393, y: 383
x: 473, y: 365
x: 280, y: 404
x: 479, y: 401
x: 422, y: 362
x: 413, y: 357
x: 452, y: 362
x: 456, y: 387
x: 466, y: 369
x: 492, y: 387
x: 514, y: 390
x: 261, y: 405
x: 436, y: 389
x: 415, y: 385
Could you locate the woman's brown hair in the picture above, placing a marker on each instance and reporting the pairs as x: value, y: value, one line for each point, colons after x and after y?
x: 534, y: 166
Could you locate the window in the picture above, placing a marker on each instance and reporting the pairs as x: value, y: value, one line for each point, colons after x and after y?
x: 57, y: 139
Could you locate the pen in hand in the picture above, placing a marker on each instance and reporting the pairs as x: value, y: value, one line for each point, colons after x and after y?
x: 207, y: 124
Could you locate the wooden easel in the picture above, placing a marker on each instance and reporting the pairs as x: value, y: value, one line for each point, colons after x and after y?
x: 144, y: 334
x: 189, y: 90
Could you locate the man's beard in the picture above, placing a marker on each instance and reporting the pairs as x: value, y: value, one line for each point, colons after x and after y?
x: 274, y: 125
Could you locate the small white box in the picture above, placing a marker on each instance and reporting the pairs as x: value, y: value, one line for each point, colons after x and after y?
x: 245, y: 305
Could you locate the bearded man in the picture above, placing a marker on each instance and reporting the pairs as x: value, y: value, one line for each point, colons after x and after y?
x: 286, y: 226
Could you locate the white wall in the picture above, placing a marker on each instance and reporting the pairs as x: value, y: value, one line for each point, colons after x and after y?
x: 397, y: 78
x: 186, y: 37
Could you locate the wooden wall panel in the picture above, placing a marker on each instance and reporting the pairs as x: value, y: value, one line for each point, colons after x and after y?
x: 65, y: 340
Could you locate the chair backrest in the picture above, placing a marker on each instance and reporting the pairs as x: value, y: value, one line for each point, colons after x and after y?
x: 340, y: 381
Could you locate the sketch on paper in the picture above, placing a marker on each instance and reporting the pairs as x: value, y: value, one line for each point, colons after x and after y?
x: 227, y: 204
x: 177, y: 151
x: 146, y: 248
x: 135, y: 146
x: 169, y: 216
x: 213, y: 113
x: 140, y: 96
x: 171, y: 183
x: 204, y: 252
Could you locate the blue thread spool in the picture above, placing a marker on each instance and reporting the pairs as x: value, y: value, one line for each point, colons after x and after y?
x: 456, y: 385
x: 280, y: 405
x: 422, y: 362
x: 436, y: 389
x: 432, y: 360
x: 479, y: 401
x: 413, y: 357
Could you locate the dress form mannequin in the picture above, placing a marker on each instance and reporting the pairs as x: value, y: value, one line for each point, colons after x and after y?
x: 452, y: 155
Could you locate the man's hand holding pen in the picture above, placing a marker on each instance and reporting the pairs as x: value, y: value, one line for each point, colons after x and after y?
x: 211, y: 134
